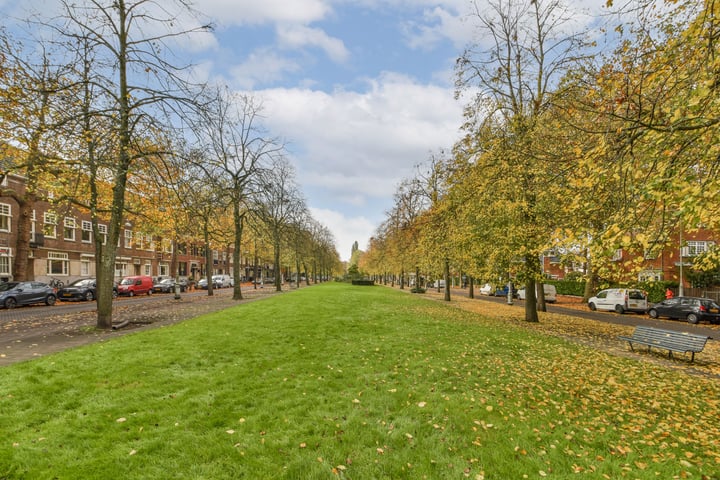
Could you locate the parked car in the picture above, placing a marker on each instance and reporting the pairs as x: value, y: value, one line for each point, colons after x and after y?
x: 620, y: 300
x: 82, y: 289
x: 222, y: 281
x: 692, y: 309
x: 136, y: 285
x: 203, y: 284
x: 502, y: 292
x: 487, y: 289
x: 550, y: 293
x: 13, y: 294
x: 166, y: 285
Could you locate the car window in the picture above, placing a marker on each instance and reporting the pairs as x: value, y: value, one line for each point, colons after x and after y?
x: 636, y: 295
x: 602, y: 294
x: 670, y: 302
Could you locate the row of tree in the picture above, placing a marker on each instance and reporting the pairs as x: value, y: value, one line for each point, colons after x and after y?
x: 569, y: 146
x: 96, y: 116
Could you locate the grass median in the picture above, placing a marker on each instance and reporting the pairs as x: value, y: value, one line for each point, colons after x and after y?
x: 337, y: 381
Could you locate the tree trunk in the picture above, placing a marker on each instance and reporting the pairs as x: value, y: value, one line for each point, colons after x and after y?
x: 208, y: 261
x: 533, y: 267
x: 447, y: 280
x: 540, y: 292
x: 276, y: 259
x: 471, y: 291
x: 21, y: 262
x: 239, y: 224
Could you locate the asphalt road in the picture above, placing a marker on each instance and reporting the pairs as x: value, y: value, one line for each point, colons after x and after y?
x: 627, y: 319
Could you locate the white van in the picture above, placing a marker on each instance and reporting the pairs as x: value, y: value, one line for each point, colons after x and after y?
x: 222, y: 281
x: 620, y: 300
x: 550, y: 293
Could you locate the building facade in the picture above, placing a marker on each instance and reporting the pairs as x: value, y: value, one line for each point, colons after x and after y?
x: 667, y: 263
x: 62, y: 246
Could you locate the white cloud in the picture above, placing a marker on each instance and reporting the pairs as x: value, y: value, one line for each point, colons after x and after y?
x: 262, y: 66
x: 245, y: 12
x: 346, y: 230
x: 351, y: 149
x: 297, y: 36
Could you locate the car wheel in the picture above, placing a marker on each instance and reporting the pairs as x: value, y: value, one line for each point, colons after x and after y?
x: 131, y: 293
x: 50, y: 300
x: 115, y: 294
x: 653, y: 313
x: 89, y: 296
x: 10, y: 303
x: 619, y: 309
x: 592, y: 306
x: 692, y: 318
x: 149, y: 292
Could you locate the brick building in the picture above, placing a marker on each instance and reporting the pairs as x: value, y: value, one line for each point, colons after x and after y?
x: 663, y: 264
x: 62, y: 246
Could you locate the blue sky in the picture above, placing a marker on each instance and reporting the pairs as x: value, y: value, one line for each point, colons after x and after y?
x: 361, y: 90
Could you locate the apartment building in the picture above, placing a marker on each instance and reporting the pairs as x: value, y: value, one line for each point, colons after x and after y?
x: 668, y: 263
x: 62, y: 245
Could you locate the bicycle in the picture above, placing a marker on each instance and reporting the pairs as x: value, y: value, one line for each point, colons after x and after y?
x: 56, y: 284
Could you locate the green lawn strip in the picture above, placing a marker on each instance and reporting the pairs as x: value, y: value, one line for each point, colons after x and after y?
x: 337, y: 381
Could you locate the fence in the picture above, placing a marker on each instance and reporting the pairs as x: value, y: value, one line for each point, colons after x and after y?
x: 702, y: 292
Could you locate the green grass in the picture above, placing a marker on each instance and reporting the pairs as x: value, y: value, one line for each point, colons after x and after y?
x: 337, y: 381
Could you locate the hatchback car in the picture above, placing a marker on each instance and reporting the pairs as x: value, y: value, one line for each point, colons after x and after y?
x: 692, y: 309
x: 82, y: 289
x: 166, y: 285
x: 13, y: 294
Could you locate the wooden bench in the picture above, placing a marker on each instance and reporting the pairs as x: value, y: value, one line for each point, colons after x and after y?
x: 669, y: 340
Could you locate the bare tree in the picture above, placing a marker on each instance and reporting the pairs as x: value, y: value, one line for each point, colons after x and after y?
x: 33, y: 98
x: 280, y: 205
x: 131, y: 87
x: 228, y: 129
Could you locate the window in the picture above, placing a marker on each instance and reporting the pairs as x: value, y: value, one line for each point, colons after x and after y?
x: 57, y: 263
x: 164, y: 269
x: 139, y: 241
x: 617, y: 256
x: 148, y: 268
x: 128, y: 238
x: 693, y: 248
x: 149, y: 243
x: 650, y: 276
x: 85, y: 266
x: 5, y: 217
x: 121, y: 269
x: 86, y: 233
x: 4, y: 265
x: 50, y: 224
x: 102, y: 231
x: 69, y: 229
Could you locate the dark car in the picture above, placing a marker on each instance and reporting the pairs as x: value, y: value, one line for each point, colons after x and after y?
x: 82, y: 289
x: 26, y: 293
x: 166, y: 285
x: 692, y: 309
